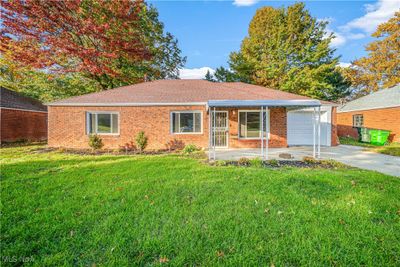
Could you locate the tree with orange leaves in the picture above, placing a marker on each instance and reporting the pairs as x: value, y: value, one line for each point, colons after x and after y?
x: 381, y: 68
x: 112, y: 42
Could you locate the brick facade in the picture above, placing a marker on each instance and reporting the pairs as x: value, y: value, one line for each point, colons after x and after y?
x: 278, y: 128
x: 385, y: 119
x: 18, y: 125
x: 67, y: 127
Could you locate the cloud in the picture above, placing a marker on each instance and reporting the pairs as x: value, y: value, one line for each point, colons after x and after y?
x: 338, y: 40
x: 344, y: 64
x: 196, y: 73
x: 375, y: 14
x: 363, y: 26
x: 355, y: 36
x: 245, y: 2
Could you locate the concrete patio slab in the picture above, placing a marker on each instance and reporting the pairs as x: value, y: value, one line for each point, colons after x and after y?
x: 350, y: 155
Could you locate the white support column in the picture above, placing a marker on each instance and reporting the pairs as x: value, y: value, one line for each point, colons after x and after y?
x: 266, y: 132
x: 313, y: 121
x: 209, y: 133
x: 214, y: 138
x: 319, y: 132
x: 262, y: 132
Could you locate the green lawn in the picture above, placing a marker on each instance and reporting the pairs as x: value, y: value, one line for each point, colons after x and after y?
x: 105, y: 210
x: 392, y: 149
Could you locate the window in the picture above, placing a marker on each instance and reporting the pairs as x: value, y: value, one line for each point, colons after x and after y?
x: 102, y: 123
x: 250, y: 124
x: 358, y: 120
x: 186, y: 122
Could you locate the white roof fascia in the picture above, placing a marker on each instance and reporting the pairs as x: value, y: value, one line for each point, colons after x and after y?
x: 364, y: 109
x: 126, y: 104
x: 274, y: 103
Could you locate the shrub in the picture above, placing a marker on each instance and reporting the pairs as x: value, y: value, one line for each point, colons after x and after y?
x: 256, y: 162
x: 188, y: 149
x: 310, y: 160
x: 333, y: 164
x: 130, y: 146
x: 175, y: 144
x: 95, y: 142
x: 244, y: 162
x: 221, y: 163
x: 273, y: 162
x: 141, y: 141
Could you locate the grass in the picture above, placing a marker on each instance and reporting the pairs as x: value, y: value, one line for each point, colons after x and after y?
x: 393, y: 149
x: 61, y: 209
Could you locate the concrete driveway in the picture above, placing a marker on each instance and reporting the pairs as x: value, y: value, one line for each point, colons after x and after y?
x: 351, y: 155
x: 361, y: 158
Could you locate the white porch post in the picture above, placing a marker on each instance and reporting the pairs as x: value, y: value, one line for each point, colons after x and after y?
x: 214, y: 138
x: 266, y: 132
x: 313, y: 121
x: 209, y: 133
x: 262, y: 132
x: 319, y: 132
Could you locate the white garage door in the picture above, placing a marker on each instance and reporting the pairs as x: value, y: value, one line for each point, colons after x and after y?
x: 300, y: 128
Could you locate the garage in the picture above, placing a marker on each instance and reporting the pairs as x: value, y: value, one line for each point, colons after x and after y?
x: 300, y: 127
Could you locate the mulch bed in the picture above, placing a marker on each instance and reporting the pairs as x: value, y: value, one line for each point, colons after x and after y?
x: 275, y: 164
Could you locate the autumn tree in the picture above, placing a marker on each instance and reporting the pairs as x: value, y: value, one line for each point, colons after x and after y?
x: 43, y: 85
x: 111, y: 42
x: 381, y: 68
x: 287, y: 49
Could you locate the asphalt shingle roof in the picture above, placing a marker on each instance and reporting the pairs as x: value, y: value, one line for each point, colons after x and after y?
x: 14, y: 100
x: 180, y: 91
x: 385, y: 98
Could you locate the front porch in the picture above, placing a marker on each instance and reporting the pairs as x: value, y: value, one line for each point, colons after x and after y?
x: 258, y: 129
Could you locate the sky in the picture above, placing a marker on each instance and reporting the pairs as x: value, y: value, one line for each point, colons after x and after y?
x: 208, y: 31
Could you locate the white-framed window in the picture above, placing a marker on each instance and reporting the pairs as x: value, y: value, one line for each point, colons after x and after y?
x: 102, y: 122
x: 187, y: 122
x: 358, y: 120
x: 250, y: 124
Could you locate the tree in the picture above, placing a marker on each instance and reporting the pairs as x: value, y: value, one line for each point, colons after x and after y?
x: 342, y: 88
x: 288, y: 49
x: 112, y: 42
x: 41, y: 85
x: 209, y: 77
x: 225, y: 75
x: 381, y: 68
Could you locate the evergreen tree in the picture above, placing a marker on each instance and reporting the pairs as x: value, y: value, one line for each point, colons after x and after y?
x: 288, y: 49
x: 209, y: 77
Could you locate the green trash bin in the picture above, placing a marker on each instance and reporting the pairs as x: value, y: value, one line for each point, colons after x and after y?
x: 379, y: 137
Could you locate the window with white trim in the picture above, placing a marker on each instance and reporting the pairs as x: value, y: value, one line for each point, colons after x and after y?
x: 250, y: 124
x: 102, y: 122
x: 358, y: 120
x: 186, y: 122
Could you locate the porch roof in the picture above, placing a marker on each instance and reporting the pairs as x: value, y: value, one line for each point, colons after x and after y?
x: 269, y: 103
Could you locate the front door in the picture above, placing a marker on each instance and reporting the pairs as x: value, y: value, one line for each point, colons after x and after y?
x: 221, y: 129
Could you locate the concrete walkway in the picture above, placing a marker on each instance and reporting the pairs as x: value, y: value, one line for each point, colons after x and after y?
x: 351, y: 155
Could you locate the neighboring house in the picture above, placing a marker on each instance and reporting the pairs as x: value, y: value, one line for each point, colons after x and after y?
x: 379, y: 110
x: 22, y: 118
x: 180, y: 109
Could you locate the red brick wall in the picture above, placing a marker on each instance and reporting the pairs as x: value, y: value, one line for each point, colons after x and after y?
x: 19, y: 125
x: 385, y: 119
x: 67, y: 127
x: 278, y: 130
